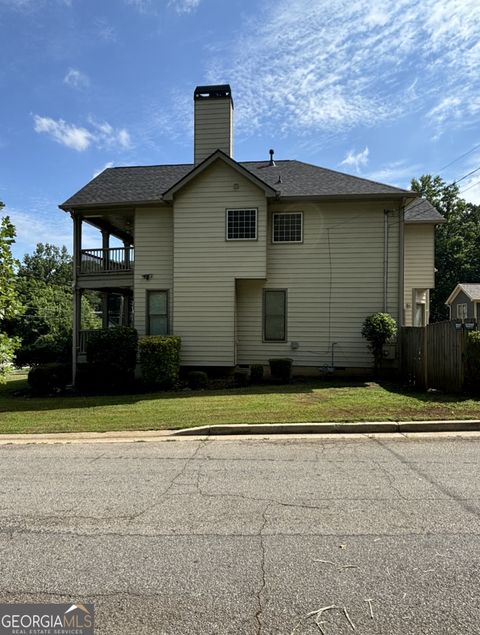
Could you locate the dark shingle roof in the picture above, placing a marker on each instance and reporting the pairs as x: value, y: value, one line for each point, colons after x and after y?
x: 421, y: 211
x: 289, y: 178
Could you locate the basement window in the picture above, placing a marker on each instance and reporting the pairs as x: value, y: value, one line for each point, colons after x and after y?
x: 287, y: 227
x: 241, y: 224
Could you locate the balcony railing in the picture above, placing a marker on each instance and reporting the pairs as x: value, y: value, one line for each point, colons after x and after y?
x: 106, y: 260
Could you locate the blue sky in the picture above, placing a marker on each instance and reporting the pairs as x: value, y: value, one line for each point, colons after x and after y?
x: 384, y: 89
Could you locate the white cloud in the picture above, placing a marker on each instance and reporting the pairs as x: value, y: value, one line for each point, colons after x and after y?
x: 109, y: 164
x: 100, y: 134
x: 357, y: 160
x: 74, y: 137
x: 152, y: 6
x: 184, y: 6
x: 301, y: 65
x: 27, y: 6
x: 398, y: 173
x: 76, y: 79
x: 105, y: 31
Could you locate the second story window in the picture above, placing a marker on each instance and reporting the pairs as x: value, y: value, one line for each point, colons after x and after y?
x: 287, y: 227
x: 241, y: 224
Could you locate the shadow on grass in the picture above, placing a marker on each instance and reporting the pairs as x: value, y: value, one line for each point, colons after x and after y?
x: 425, y: 396
x: 14, y: 395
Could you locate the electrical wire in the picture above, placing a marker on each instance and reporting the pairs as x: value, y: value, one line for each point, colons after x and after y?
x: 458, y: 158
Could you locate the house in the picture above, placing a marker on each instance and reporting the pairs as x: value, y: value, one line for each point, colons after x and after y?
x: 464, y: 302
x: 251, y: 260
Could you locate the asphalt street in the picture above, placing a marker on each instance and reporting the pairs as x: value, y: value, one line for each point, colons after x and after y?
x: 248, y: 536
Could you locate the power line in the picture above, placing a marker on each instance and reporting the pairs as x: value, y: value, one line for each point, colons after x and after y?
x: 458, y: 158
x: 470, y: 186
x: 466, y: 175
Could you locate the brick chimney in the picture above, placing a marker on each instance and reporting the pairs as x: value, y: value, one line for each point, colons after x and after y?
x: 213, y: 121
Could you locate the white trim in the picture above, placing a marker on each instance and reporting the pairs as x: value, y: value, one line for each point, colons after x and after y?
x: 241, y: 209
x: 282, y: 242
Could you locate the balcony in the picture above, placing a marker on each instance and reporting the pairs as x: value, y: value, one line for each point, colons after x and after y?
x: 106, y: 268
x: 109, y: 260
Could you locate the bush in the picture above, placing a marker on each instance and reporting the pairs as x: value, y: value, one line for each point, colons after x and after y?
x: 112, y: 357
x: 160, y: 360
x: 197, y: 379
x: 46, y: 379
x: 45, y: 350
x: 241, y: 377
x: 472, y: 362
x: 281, y: 369
x: 378, y: 329
x: 256, y: 373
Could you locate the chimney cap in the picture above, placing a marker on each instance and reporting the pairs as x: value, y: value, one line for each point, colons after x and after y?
x: 218, y: 91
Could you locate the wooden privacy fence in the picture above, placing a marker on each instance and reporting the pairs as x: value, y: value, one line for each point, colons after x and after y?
x: 433, y: 356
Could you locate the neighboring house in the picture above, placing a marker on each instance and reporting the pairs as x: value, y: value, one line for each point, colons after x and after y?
x: 464, y: 302
x: 251, y: 260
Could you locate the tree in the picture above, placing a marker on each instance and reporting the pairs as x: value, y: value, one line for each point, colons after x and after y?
x: 8, y: 297
x: 378, y: 329
x: 49, y: 263
x: 44, y: 325
x: 457, y: 241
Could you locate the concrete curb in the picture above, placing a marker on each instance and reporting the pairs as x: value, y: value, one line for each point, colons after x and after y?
x: 244, y: 431
x: 467, y: 425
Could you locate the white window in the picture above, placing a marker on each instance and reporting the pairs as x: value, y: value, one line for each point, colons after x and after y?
x: 241, y: 224
x: 461, y: 311
x: 287, y: 227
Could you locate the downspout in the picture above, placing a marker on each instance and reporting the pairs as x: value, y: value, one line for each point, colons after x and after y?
x: 385, y: 260
x: 401, y: 264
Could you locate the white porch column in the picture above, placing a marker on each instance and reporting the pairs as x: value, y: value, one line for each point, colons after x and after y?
x: 77, y: 294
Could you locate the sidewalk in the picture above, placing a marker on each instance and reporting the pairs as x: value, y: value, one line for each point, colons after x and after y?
x: 250, y: 431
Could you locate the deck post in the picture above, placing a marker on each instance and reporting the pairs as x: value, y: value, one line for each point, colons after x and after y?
x: 104, y: 309
x: 77, y: 293
x: 105, y: 249
x: 126, y: 246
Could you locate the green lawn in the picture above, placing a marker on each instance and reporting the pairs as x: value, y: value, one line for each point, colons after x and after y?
x: 315, y: 401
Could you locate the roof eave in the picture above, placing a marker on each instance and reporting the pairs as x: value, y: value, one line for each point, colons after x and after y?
x: 426, y: 221
x: 66, y: 207
x: 339, y: 197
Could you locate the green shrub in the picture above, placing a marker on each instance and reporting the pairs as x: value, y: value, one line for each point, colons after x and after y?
x: 256, y: 373
x: 112, y: 357
x: 281, y: 369
x: 472, y: 362
x: 46, y: 379
x: 46, y: 349
x: 241, y: 377
x: 378, y: 329
x: 197, y: 379
x: 160, y: 359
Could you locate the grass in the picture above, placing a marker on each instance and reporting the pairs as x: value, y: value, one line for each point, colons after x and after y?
x: 313, y: 401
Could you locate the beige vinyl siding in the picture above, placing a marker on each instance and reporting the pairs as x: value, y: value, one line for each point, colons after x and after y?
x: 419, y: 264
x: 331, y: 288
x: 206, y: 264
x: 153, y: 255
x: 213, y: 120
